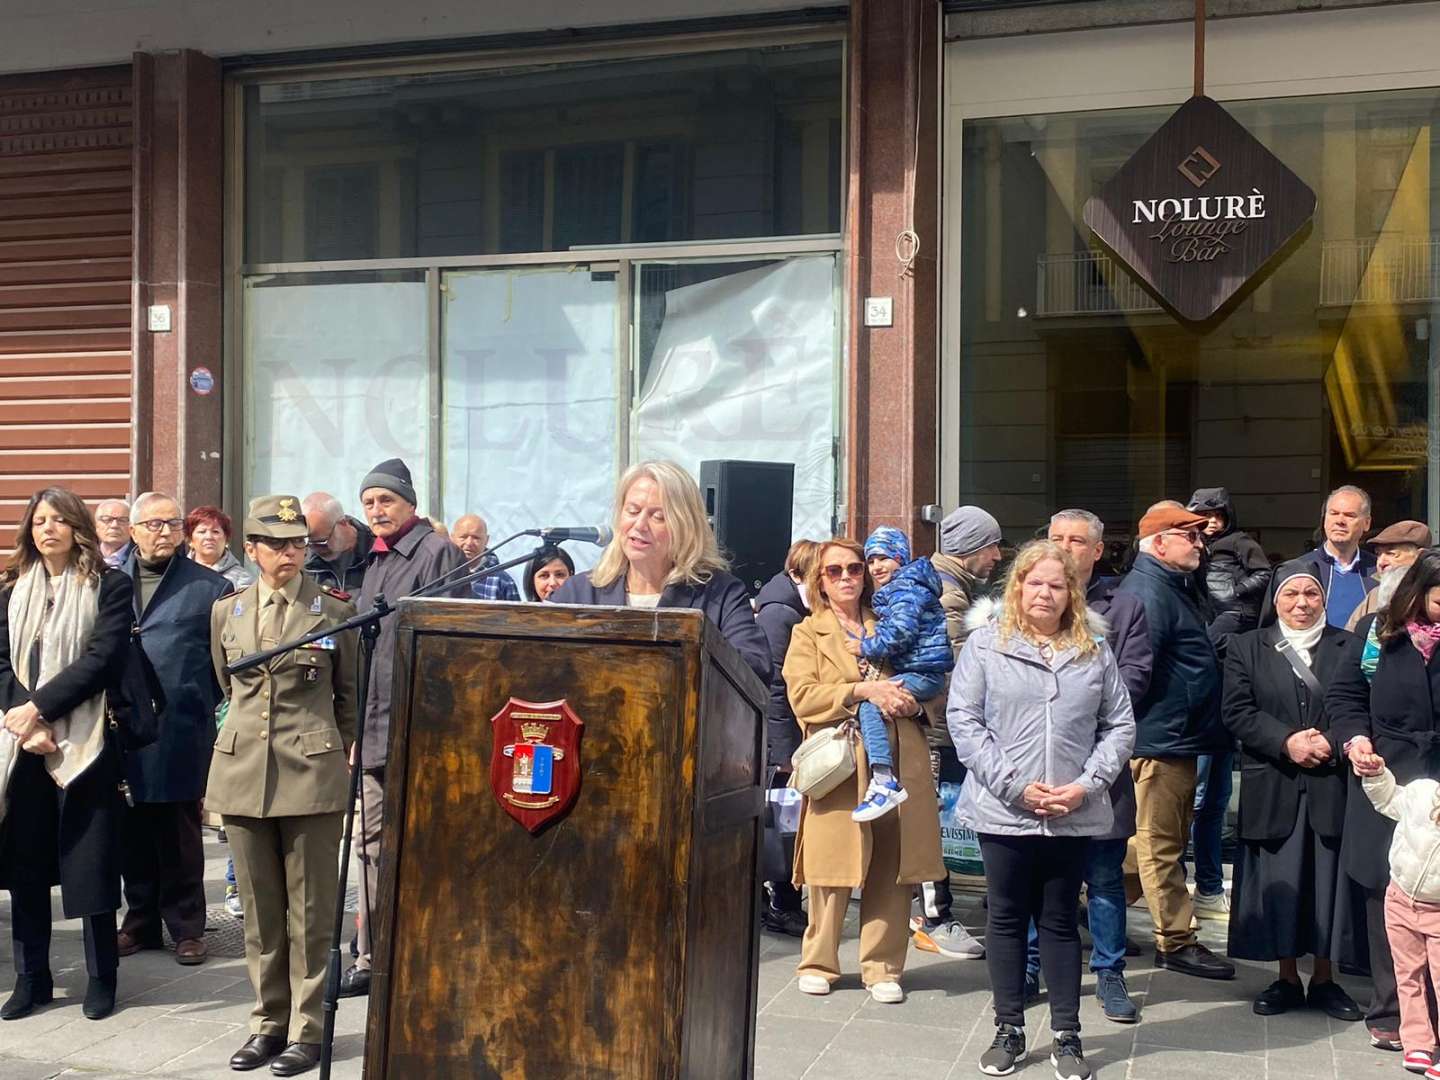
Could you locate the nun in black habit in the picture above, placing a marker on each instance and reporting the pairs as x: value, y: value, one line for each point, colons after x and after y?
x: 1285, y: 900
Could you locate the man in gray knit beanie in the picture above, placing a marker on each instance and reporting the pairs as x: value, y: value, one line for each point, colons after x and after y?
x: 969, y: 552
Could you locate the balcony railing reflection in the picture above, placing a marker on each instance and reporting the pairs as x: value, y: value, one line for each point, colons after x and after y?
x: 1086, y: 283
x: 1385, y: 270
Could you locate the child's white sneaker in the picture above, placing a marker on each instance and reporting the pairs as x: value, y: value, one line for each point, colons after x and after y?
x: 880, y: 798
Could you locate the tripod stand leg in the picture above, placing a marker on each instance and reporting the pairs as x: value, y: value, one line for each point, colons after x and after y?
x: 368, y: 634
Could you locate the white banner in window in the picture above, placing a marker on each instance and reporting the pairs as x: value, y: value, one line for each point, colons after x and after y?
x: 336, y: 383
x: 530, y: 401
x: 744, y: 368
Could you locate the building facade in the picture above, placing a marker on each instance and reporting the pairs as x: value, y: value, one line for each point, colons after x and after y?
x: 524, y: 245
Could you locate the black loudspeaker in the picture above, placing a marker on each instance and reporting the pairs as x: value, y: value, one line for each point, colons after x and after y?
x: 750, y: 505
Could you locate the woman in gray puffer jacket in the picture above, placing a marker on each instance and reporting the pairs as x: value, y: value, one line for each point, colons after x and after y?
x: 1043, y: 723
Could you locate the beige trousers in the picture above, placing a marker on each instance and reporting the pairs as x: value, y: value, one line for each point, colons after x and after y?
x: 884, y: 915
x: 1164, y: 805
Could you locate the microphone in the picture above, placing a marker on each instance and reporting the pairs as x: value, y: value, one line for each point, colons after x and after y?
x: 589, y: 534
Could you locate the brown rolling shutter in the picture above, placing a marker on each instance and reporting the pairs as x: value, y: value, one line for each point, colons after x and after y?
x: 65, y: 271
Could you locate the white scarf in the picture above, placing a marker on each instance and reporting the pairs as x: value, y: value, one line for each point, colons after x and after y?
x: 65, y: 627
x: 1304, y: 641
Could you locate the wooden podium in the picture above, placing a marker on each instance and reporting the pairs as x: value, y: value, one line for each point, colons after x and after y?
x: 619, y: 939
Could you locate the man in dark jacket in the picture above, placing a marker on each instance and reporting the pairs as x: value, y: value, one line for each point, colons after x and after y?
x: 339, y: 545
x: 1082, y: 534
x: 407, y: 554
x: 1344, y: 568
x: 164, y: 856
x: 1176, y: 720
x: 779, y: 607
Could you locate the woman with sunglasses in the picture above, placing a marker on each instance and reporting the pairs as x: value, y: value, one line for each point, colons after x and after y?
x: 279, y: 780
x: 835, y: 854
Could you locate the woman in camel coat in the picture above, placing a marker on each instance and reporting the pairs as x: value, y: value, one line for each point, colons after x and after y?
x: 834, y: 854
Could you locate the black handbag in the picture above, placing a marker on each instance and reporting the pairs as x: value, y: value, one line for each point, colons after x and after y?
x: 136, y: 699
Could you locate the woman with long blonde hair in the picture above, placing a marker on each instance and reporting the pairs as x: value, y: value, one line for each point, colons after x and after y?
x: 1043, y: 723
x: 664, y: 554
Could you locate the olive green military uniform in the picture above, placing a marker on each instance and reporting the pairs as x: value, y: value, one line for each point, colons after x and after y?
x: 280, y: 780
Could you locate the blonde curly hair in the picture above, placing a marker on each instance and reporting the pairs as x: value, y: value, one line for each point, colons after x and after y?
x: 1074, y: 621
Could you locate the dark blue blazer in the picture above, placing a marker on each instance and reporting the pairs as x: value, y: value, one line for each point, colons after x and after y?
x: 175, y: 634
x: 723, y: 599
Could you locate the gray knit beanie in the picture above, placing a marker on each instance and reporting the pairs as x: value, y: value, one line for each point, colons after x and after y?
x: 392, y: 475
x: 967, y: 529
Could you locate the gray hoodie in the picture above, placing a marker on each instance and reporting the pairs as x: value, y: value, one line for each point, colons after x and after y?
x: 1017, y: 721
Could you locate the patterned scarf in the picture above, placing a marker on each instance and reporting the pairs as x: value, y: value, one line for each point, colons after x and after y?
x: 1424, y: 636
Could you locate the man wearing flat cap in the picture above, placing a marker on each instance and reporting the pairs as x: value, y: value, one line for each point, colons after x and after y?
x: 1396, y: 548
x: 407, y: 554
x: 279, y: 778
x: 1177, y: 719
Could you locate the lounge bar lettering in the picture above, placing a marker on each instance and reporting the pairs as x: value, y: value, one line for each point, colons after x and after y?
x: 1195, y: 247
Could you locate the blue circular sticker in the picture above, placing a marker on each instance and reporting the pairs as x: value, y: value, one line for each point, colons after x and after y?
x: 202, y: 381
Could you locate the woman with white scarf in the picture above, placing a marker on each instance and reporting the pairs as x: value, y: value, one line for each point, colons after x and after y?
x: 64, y: 622
x: 1286, y: 900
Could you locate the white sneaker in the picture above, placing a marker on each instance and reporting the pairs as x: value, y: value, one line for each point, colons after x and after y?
x: 1211, y: 907
x: 887, y: 993
x: 817, y: 985
x: 880, y: 799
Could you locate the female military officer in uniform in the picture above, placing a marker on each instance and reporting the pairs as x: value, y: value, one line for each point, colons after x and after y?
x: 279, y: 780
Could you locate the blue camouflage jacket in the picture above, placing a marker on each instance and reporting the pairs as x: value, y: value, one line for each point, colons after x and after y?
x: 910, y: 623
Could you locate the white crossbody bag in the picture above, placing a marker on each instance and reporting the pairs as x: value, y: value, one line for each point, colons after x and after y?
x: 824, y: 761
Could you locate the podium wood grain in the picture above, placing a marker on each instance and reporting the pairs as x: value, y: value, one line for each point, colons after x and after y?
x: 620, y: 941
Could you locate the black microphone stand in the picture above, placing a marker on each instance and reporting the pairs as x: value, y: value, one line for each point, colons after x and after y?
x: 368, y: 623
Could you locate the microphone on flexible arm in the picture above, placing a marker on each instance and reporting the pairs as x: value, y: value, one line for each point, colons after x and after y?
x: 600, y: 535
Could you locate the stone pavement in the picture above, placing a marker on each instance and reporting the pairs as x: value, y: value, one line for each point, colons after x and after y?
x: 185, y: 1022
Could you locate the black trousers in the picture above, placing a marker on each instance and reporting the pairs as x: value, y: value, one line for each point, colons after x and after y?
x: 1384, y: 1011
x: 30, y: 931
x: 1034, y: 877
x: 164, y: 871
x: 935, y: 899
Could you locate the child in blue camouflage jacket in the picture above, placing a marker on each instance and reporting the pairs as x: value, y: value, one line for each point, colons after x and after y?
x: 910, y: 637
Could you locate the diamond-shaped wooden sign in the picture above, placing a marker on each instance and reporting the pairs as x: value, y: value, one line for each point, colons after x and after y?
x: 1200, y: 210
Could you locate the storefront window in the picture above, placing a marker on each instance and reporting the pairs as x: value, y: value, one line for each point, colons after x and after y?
x: 705, y: 146
x: 1078, y: 389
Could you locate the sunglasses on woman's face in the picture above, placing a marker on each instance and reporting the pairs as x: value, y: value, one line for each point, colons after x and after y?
x: 853, y: 569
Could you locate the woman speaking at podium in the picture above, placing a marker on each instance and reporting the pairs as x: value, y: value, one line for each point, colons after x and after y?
x: 664, y: 554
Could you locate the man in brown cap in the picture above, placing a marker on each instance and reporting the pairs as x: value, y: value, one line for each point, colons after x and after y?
x: 1396, y: 548
x: 1177, y: 719
x: 280, y: 780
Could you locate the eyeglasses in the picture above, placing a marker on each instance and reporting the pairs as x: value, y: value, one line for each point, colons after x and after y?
x: 854, y: 569
x: 156, y: 525
x: 111, y: 519
x: 278, y: 544
x: 328, y: 537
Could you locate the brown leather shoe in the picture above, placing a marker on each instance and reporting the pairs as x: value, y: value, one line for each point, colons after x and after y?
x: 191, y: 951
x: 131, y: 943
x: 257, y: 1051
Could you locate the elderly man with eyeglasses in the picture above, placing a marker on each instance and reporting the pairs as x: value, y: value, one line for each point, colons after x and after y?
x: 339, y: 544
x: 163, y: 860
x: 112, y: 525
x: 1177, y: 720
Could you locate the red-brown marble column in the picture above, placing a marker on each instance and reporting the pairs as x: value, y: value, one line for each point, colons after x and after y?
x: 179, y: 162
x: 893, y: 186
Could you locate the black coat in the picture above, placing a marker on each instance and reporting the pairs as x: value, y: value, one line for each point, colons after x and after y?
x: 1178, y: 716
x: 1129, y: 640
x: 1264, y: 704
x: 84, y: 858
x: 175, y: 634
x: 1397, y: 712
x: 723, y: 599
x: 778, y: 608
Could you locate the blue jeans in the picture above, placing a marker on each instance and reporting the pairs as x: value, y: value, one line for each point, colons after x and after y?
x: 1105, y: 906
x: 923, y: 685
x: 1213, y: 781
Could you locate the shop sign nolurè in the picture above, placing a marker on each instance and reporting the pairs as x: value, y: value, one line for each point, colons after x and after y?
x: 1200, y: 210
